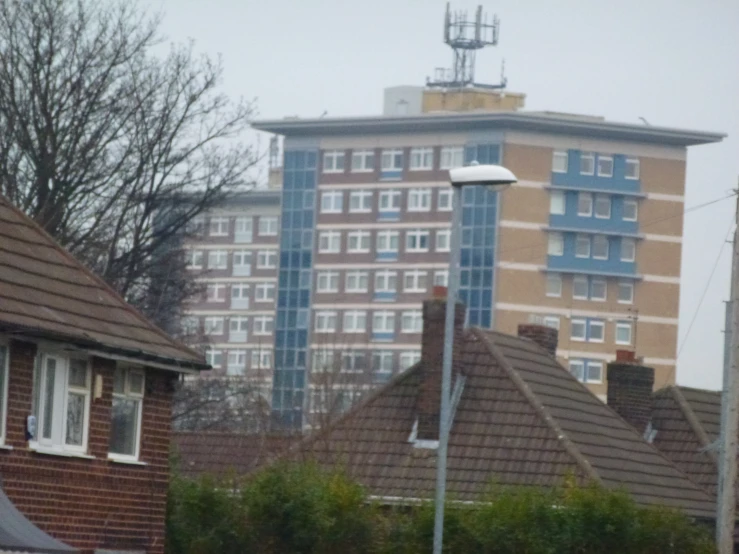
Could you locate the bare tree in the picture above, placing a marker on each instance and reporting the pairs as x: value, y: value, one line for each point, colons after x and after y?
x: 111, y: 148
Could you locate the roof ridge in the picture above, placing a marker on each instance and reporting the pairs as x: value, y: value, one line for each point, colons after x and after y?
x: 693, y: 420
x: 537, y: 405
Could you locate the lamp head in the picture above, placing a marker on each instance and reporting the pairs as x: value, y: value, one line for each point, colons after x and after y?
x: 494, y: 177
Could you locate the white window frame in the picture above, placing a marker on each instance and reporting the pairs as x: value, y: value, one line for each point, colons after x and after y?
x: 603, y: 200
x: 415, y: 236
x: 332, y: 202
x: 451, y: 157
x: 217, y: 256
x: 632, y: 242
x: 267, y: 259
x: 595, y: 281
x: 353, y: 356
x: 215, y: 292
x: 363, y: 201
x: 595, y: 323
x: 441, y: 278
x: 392, y: 197
x: 212, y: 355
x: 242, y: 259
x: 582, y: 240
x: 579, y: 364
x: 557, y: 202
x: 422, y: 158
x: 634, y: 162
x: 363, y: 161
x: 334, y: 161
x: 589, y: 156
x: 622, y: 285
x: 264, y: 292
x: 620, y: 326
x: 385, y: 240
x: 267, y: 226
x: 383, y: 279
x: 584, y: 283
x: 333, y: 242
x: 443, y: 240
x: 218, y: 226
x: 359, y: 276
x: 444, y: 200
x: 244, y: 229
x: 240, y: 291
x: 213, y: 325
x: 195, y: 259
x: 132, y: 396
x: 383, y: 322
x: 355, y: 321
x: 596, y: 243
x: 556, y: 244
x: 415, y: 280
x: 551, y: 321
x: 419, y: 200
x: 232, y: 361
x: 554, y: 285
x: 585, y: 197
x: 411, y: 322
x: 261, y: 359
x: 386, y: 364
x: 580, y: 322
x: 390, y: 159
x: 238, y: 326
x: 4, y: 372
x: 557, y: 157
x: 325, y: 321
x: 361, y: 240
x: 607, y: 159
x: 327, y: 281
x: 593, y: 363
x: 408, y: 359
x: 631, y: 202
x: 264, y: 325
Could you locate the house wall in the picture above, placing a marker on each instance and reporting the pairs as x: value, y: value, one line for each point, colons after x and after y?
x: 90, y: 503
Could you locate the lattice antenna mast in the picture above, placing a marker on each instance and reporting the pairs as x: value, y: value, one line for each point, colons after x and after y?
x: 465, y: 37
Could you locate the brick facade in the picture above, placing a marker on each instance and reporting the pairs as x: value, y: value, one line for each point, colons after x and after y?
x: 630, y: 392
x: 90, y: 503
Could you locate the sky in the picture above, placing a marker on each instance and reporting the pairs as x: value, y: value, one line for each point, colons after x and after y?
x: 673, y: 62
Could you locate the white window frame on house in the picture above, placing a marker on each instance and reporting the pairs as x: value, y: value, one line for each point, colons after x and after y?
x: 389, y: 201
x: 383, y: 322
x: 214, y: 357
x: 582, y: 246
x: 217, y: 259
x: 322, y: 360
x: 213, y: 325
x: 560, y: 161
x: 419, y: 200
x: 628, y: 247
x: 327, y: 281
x: 218, y: 227
x: 557, y: 204
x: 58, y: 396
x: 355, y: 321
x: 196, y: 226
x: 587, y: 163
x: 422, y: 158
x: 411, y: 322
x: 4, y: 371
x: 441, y: 278
x: 236, y: 362
x: 584, y: 204
x: 451, y: 157
x: 238, y: 328
x: 326, y: 321
x: 554, y: 285
x: 264, y: 325
x: 633, y: 212
x: 625, y: 286
x: 593, y: 364
x: 602, y: 206
x: 240, y: 294
x: 633, y: 163
x: 242, y: 263
x: 195, y: 259
x: 605, y: 166
x: 599, y: 247
x: 363, y: 161
x: 215, y: 292
x: 577, y: 369
x: 358, y: 242
x: 357, y: 276
x: 577, y: 323
x: 360, y: 201
x: 382, y: 361
x: 329, y: 242
x: 332, y: 202
x: 443, y: 240
x: 392, y: 159
x: 595, y: 284
x: 444, y: 200
x: 387, y: 241
x: 622, y: 326
x: 353, y: 361
x: 267, y: 259
x: 415, y: 280
x: 551, y: 321
x: 596, y: 324
x: 264, y: 292
x: 409, y: 358
x: 333, y: 161
x: 261, y: 359
x: 414, y: 240
x: 386, y: 280
x: 556, y: 244
x: 580, y: 283
x: 129, y: 386
x: 267, y: 226
x: 243, y: 229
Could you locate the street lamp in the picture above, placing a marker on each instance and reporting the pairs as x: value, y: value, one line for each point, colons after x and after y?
x: 495, y: 178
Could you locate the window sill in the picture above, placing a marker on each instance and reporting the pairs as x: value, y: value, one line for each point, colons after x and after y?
x: 123, y: 460
x: 61, y: 453
x: 5, y: 447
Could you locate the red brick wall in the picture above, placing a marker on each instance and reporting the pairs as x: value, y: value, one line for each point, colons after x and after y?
x: 93, y: 503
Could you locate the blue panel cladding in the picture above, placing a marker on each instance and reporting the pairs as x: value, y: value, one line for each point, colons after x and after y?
x: 613, y: 224
x: 568, y: 262
x: 573, y: 178
x: 294, y: 288
x: 479, y: 234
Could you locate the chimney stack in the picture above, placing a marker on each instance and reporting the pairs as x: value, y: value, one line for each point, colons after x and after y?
x: 428, y: 403
x: 544, y: 336
x: 630, y: 389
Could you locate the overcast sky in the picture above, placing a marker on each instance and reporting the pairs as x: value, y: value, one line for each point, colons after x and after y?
x: 673, y: 62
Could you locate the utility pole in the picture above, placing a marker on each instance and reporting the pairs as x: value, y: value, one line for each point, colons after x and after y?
x: 726, y: 509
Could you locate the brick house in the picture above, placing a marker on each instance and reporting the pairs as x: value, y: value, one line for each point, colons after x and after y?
x: 86, y: 386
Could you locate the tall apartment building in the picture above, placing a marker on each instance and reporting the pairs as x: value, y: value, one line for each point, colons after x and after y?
x: 236, y: 257
x: 588, y: 241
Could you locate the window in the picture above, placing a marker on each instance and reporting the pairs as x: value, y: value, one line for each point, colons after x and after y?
x: 355, y: 321
x: 363, y: 161
x: 585, y: 204
x: 382, y: 361
x: 442, y: 240
x: 195, y: 259
x: 580, y: 287
x: 323, y: 360
x: 632, y: 168
x: 217, y: 259
x: 261, y: 359
x: 417, y: 241
x: 357, y: 281
x: 383, y: 322
x: 3, y: 389
x: 244, y: 229
x: 213, y: 325
x: 215, y: 292
x: 587, y: 371
x: 631, y: 210
x: 577, y: 329
x: 422, y: 159
x: 577, y: 369
x: 389, y: 201
x: 556, y: 244
x: 329, y: 241
x: 353, y: 361
x: 267, y: 259
x: 264, y: 292
x: 236, y: 362
x: 451, y: 157
x: 360, y: 201
x: 444, y: 201
x: 559, y: 161
x: 411, y: 322
x: 596, y: 330
x: 598, y: 289
x: 240, y: 296
x: 238, y: 328
x: 263, y: 325
x: 595, y: 372
x: 414, y: 281
x: 214, y: 358
x: 386, y: 281
x: 332, y: 202
x: 392, y: 159
x: 625, y: 292
x: 550, y: 321
x: 623, y: 333
x: 587, y: 163
x: 325, y: 322
x: 602, y: 206
x: 333, y: 161
x: 554, y: 285
x: 358, y: 242
x: 408, y: 359
x: 441, y: 278
x: 195, y: 226
x: 628, y: 250
x: 557, y: 202
x: 327, y: 281
x: 600, y: 247
x: 218, y: 226
x: 605, y: 166
x: 125, y: 425
x: 242, y: 263
x: 387, y: 241
x: 63, y: 402
x: 582, y: 246
x: 419, y: 200
x: 267, y: 226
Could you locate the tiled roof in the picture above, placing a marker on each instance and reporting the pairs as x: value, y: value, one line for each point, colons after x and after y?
x: 46, y: 293
x: 522, y: 419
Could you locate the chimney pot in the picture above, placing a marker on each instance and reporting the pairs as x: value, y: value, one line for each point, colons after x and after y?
x: 625, y: 356
x: 546, y: 337
x: 439, y: 291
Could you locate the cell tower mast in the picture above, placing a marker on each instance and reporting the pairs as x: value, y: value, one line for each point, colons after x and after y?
x: 465, y: 37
